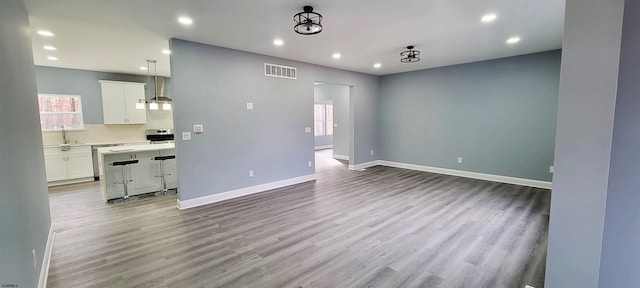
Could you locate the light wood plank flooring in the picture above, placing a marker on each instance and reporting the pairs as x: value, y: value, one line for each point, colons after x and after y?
x: 383, y: 227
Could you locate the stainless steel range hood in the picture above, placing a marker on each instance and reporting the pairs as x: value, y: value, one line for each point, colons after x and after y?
x: 157, y: 91
x: 160, y: 89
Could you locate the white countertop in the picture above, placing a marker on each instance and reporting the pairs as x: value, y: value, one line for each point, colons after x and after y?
x: 135, y: 148
x: 95, y: 143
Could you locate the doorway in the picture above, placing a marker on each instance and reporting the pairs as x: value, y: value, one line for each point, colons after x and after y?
x: 331, y: 122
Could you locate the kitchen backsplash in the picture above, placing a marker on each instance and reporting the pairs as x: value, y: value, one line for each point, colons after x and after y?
x: 99, y: 133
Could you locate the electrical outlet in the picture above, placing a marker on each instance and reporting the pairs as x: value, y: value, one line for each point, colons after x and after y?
x: 198, y: 128
x: 250, y: 173
x: 186, y: 136
x: 335, y: 124
x: 309, y: 164
x: 307, y: 129
x: 459, y: 159
x: 249, y: 106
x: 371, y: 152
x: 551, y: 169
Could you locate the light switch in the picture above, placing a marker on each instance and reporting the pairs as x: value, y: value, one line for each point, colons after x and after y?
x: 459, y: 159
x: 307, y: 129
x: 335, y: 124
x: 249, y: 106
x: 551, y: 169
x: 198, y: 128
x: 186, y: 136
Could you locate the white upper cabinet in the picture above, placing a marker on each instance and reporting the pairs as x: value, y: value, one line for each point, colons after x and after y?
x: 119, y: 102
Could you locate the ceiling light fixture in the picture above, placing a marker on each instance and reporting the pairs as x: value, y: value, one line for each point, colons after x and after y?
x: 52, y: 58
x: 377, y: 65
x: 45, y: 33
x: 336, y: 55
x: 49, y: 47
x: 488, y: 18
x: 307, y: 22
x: 409, y: 55
x: 278, y: 42
x: 185, y: 20
x: 513, y: 40
x: 166, y: 51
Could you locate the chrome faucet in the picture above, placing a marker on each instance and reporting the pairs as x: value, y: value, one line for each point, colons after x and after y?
x: 65, y: 140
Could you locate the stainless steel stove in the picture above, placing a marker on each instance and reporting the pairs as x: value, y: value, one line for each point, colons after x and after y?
x: 160, y: 135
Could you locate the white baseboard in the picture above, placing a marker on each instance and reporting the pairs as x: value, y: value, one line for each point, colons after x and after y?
x: 364, y: 165
x: 467, y: 174
x: 70, y: 181
x: 323, y: 147
x: 46, y: 259
x: 340, y: 157
x: 213, y: 198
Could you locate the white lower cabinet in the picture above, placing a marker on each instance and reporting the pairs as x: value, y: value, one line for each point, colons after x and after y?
x: 143, y: 175
x: 67, y: 166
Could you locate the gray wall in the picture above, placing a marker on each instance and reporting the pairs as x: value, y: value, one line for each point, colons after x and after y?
x: 85, y: 83
x: 621, y: 242
x: 215, y: 84
x: 339, y: 94
x: 499, y: 115
x: 588, y: 85
x: 24, y: 208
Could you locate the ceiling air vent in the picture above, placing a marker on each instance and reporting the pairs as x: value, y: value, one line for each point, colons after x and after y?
x: 274, y: 70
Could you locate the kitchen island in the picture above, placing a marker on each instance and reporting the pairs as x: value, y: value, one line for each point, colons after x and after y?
x: 144, y: 174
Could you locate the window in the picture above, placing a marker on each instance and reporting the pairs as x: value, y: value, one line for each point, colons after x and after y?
x: 329, y: 119
x: 323, y: 119
x: 59, y: 112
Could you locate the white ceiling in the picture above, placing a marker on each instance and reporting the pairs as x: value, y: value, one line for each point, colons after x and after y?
x: 119, y: 35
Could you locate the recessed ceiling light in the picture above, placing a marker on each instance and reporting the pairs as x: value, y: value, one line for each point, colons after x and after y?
x: 336, y: 56
x: 52, y: 58
x: 45, y: 33
x: 377, y: 65
x: 166, y: 51
x: 143, y: 68
x: 513, y: 40
x: 488, y: 18
x: 278, y: 42
x: 185, y: 20
x: 49, y: 47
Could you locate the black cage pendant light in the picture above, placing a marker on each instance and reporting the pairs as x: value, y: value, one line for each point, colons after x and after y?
x: 307, y: 22
x: 410, y: 55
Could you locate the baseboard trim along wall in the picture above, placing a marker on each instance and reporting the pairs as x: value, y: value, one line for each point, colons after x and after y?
x: 340, y: 157
x: 46, y: 259
x: 364, y: 165
x: 323, y: 147
x: 467, y: 174
x: 71, y: 181
x: 209, y: 199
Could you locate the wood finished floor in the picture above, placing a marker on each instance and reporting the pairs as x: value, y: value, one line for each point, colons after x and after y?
x: 383, y: 227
